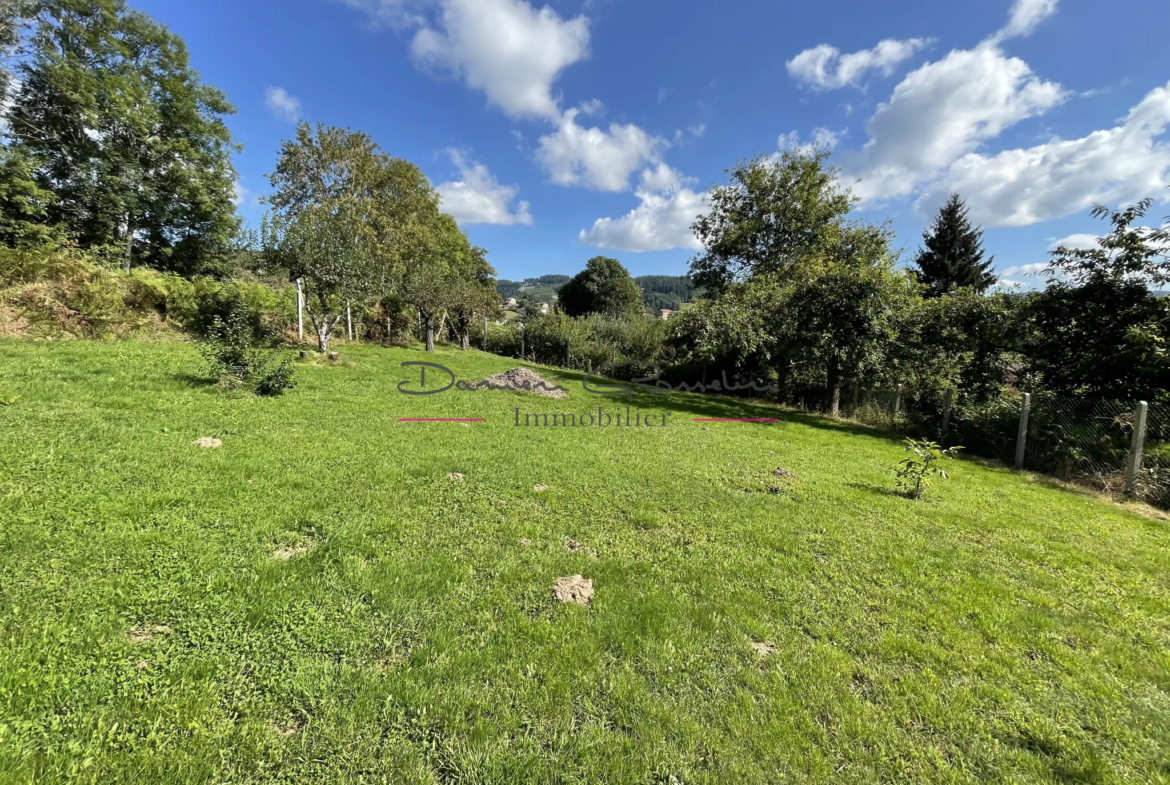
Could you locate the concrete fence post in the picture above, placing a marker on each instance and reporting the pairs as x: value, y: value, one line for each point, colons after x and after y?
x: 568, y: 353
x: 300, y: 312
x: 349, y: 320
x: 521, y: 343
x: 1137, y: 444
x: 485, y: 341
x: 1022, y: 438
x: 946, y: 424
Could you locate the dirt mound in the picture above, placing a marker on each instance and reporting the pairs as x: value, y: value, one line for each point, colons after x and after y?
x: 523, y: 380
x: 208, y: 443
x: 145, y: 633
x: 763, y: 648
x: 573, y: 589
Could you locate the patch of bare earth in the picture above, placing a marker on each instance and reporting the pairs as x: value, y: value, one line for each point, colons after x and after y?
x: 523, y: 380
x: 455, y: 477
x: 783, y: 473
x: 763, y: 648
x: 573, y: 589
x: 292, y: 551
x: 208, y: 443
x: 290, y: 727
x: 540, y: 488
x: 146, y: 632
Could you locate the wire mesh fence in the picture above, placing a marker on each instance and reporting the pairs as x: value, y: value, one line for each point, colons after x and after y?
x: 1081, y: 440
x: 879, y: 407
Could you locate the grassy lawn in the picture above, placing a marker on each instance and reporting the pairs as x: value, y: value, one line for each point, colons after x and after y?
x: 318, y: 601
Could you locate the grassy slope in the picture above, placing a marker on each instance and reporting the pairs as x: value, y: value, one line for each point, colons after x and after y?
x: 1001, y: 631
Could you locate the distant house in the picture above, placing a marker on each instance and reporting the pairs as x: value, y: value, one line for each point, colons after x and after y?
x: 511, y: 303
x: 544, y: 308
x: 665, y: 313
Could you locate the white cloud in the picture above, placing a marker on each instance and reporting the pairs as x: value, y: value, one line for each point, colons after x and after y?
x: 1021, y: 187
x: 240, y: 194
x: 597, y: 159
x: 477, y: 198
x: 1024, y: 269
x: 825, y: 68
x: 506, y: 48
x: 282, y: 105
x: 821, y: 137
x: 1025, y: 17
x: 1078, y: 241
x: 942, y: 111
x: 660, y: 222
x: 661, y: 94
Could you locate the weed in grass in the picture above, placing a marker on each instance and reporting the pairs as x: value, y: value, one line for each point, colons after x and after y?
x: 645, y: 517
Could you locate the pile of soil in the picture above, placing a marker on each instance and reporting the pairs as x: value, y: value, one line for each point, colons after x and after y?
x: 574, y: 589
x: 523, y: 380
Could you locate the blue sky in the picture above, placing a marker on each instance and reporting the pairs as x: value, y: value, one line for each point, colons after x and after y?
x: 559, y: 132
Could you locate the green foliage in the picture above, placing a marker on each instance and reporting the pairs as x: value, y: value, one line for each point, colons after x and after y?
x: 353, y: 223
x: 1101, y: 332
x: 915, y: 473
x: 772, y: 219
x: 603, y: 287
x: 592, y: 340
x: 234, y: 356
x: 124, y: 135
x: 953, y: 257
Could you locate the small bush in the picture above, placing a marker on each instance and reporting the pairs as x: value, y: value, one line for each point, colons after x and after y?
x: 236, y: 358
x: 915, y: 473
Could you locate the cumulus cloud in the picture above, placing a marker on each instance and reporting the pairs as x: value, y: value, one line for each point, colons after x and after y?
x: 509, y: 50
x: 825, y: 68
x: 477, y: 198
x: 1025, y: 16
x: 1116, y: 166
x: 594, y: 158
x: 821, y: 137
x: 942, y: 111
x: 1024, y: 269
x: 282, y: 105
x: 661, y: 221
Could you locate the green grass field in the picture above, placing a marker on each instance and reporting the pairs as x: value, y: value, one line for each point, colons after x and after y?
x: 1003, y: 630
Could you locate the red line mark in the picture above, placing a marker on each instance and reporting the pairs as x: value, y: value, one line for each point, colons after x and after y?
x: 735, y: 419
x: 434, y: 419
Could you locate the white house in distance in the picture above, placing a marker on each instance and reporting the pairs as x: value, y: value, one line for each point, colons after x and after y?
x: 665, y: 313
x: 511, y: 303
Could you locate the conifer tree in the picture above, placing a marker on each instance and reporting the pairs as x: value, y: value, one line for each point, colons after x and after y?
x: 953, y: 256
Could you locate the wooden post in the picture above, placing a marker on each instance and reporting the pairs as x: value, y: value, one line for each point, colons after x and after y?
x: 568, y: 353
x: 349, y: 320
x: 522, y: 343
x: 946, y: 426
x: 485, y: 343
x: 898, y: 403
x: 1022, y: 439
x: 1137, y: 443
x: 300, y: 312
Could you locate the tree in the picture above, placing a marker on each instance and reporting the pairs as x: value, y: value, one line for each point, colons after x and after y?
x: 774, y: 218
x: 603, y: 287
x: 953, y: 257
x: 473, y: 294
x: 845, y: 317
x: 347, y: 219
x: 125, y: 136
x: 431, y: 279
x: 1101, y: 332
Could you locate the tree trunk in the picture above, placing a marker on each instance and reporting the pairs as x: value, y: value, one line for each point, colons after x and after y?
x: 466, y: 344
x: 129, y: 245
x: 833, y: 400
x: 782, y: 372
x: 323, y: 336
x: 429, y: 323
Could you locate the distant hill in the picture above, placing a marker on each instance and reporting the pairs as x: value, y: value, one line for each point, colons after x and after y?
x: 658, y: 291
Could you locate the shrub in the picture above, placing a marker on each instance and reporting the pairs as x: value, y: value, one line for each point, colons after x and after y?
x: 915, y: 473
x: 235, y: 357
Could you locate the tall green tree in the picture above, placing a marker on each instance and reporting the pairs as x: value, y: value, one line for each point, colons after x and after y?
x: 125, y: 135
x: 774, y: 218
x: 473, y: 294
x: 603, y: 287
x: 953, y: 256
x: 347, y: 220
x: 432, y: 278
x: 1100, y: 331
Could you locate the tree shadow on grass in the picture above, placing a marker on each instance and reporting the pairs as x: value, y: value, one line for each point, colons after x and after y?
x: 714, y: 406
